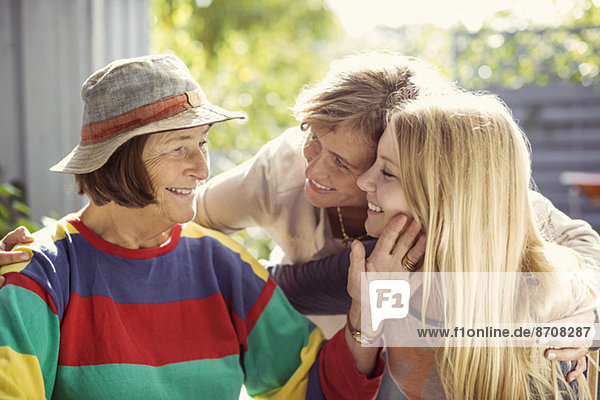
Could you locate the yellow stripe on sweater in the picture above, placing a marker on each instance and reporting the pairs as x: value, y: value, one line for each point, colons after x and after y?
x: 296, y: 386
x: 20, y: 376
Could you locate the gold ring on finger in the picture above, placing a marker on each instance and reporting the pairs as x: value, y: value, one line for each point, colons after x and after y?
x: 408, y: 265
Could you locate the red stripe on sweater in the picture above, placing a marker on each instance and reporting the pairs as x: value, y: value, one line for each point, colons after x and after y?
x: 17, y: 279
x: 96, y: 330
x: 245, y: 327
x: 259, y: 305
x: 115, y: 250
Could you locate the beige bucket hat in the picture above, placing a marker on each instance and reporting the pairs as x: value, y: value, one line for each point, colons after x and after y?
x: 133, y: 97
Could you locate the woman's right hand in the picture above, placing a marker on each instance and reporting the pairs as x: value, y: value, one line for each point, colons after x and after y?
x: 7, y: 256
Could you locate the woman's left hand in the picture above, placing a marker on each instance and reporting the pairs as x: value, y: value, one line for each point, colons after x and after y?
x: 563, y: 350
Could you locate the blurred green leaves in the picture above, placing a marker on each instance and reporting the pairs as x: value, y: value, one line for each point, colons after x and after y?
x: 508, y: 51
x: 255, y: 56
x: 531, y: 57
x: 514, y: 53
x: 13, y: 210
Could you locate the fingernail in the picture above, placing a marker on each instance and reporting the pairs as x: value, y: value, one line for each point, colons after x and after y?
x: 23, y: 256
x: 551, y: 356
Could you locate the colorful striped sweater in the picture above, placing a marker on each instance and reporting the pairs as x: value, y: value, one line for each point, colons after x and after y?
x: 194, y: 318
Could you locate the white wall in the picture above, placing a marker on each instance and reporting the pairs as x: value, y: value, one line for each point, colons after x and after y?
x: 47, y: 49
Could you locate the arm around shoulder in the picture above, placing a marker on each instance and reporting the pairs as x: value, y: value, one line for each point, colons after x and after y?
x: 246, y: 195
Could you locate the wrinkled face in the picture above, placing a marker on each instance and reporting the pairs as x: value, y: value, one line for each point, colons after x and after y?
x: 385, y: 195
x: 334, y: 160
x: 177, y: 162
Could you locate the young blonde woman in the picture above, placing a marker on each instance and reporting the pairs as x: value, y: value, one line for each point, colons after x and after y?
x: 459, y: 166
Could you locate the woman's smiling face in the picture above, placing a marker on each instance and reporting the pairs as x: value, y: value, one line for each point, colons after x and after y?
x: 334, y: 161
x: 176, y: 162
x: 385, y: 194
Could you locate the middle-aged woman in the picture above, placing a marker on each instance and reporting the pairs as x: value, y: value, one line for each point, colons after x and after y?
x: 126, y: 299
x: 480, y: 225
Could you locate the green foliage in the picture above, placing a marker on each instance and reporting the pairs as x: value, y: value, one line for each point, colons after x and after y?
x: 508, y: 51
x: 429, y: 43
x: 529, y: 57
x: 256, y: 241
x: 13, y: 210
x: 523, y: 54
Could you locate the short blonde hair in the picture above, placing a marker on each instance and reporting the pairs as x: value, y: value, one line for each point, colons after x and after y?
x: 359, y: 90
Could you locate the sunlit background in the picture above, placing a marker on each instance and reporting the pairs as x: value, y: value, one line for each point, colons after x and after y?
x: 541, y: 56
x: 357, y: 18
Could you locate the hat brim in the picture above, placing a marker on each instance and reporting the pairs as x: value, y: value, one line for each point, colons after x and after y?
x: 88, y: 158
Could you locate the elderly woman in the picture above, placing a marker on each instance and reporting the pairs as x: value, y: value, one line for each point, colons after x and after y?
x: 128, y: 299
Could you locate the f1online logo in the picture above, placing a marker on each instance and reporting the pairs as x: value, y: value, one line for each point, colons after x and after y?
x: 388, y: 300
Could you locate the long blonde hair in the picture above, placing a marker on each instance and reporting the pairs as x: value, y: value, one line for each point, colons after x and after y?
x: 465, y: 170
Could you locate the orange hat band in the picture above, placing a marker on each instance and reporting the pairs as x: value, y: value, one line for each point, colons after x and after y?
x: 100, y: 131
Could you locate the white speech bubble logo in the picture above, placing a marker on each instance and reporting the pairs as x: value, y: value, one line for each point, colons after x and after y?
x: 388, y: 299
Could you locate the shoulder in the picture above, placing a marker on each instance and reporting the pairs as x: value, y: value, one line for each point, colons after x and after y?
x: 538, y: 201
x: 277, y: 165
x: 50, y: 245
x: 217, y: 247
x: 562, y: 258
x: 48, y: 270
x: 283, y: 159
x: 241, y: 280
x: 289, y: 142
